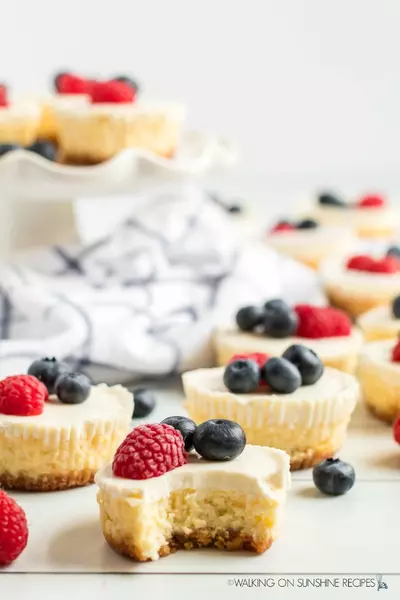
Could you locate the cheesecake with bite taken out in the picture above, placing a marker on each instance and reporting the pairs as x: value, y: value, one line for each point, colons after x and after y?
x: 56, y: 429
x: 274, y: 326
x: 359, y: 283
x: 292, y: 402
x: 159, y: 495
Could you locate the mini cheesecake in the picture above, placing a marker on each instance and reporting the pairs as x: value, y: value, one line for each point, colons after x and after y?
x: 357, y: 284
x: 309, y: 242
x: 231, y: 504
x: 309, y: 422
x: 369, y: 216
x: 19, y: 120
x: 379, y: 375
x: 337, y: 347
x: 50, y: 105
x: 382, y: 322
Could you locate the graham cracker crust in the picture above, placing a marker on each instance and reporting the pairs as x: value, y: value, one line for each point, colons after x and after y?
x: 47, y: 483
x: 203, y: 538
x: 352, y: 305
x: 387, y: 416
x: 306, y: 459
x: 90, y: 161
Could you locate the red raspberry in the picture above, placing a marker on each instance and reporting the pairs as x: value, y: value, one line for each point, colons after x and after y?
x: 259, y: 357
x: 371, y: 201
x: 13, y: 529
x: 115, y: 92
x: 282, y: 226
x: 149, y: 451
x: 22, y: 395
x: 3, y: 96
x: 320, y: 322
x: 360, y: 262
x: 396, y: 430
x: 389, y: 264
x: 72, y: 84
x: 396, y: 352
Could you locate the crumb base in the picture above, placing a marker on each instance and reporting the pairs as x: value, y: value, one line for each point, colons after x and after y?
x: 353, y: 305
x: 47, y: 483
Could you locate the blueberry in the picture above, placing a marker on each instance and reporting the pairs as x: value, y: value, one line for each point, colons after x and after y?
x: 48, y: 370
x: 57, y: 77
x: 128, y: 80
x: 306, y: 361
x: 44, y: 148
x: 219, y: 439
x: 187, y: 428
x: 396, y: 307
x: 6, y: 148
x: 249, y: 317
x: 234, y: 208
x: 393, y: 251
x: 307, y: 224
x: 145, y: 402
x: 327, y: 199
x: 72, y: 388
x: 281, y: 375
x: 334, y: 477
x: 242, y: 376
x: 280, y: 320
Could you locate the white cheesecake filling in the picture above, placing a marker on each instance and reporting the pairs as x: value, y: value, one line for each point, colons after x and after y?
x: 355, y: 217
x: 136, y: 109
x: 257, y: 471
x: 380, y: 353
x: 380, y: 317
x: 19, y: 110
x: 313, y: 242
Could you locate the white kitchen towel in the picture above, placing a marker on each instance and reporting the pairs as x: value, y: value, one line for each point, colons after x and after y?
x: 143, y: 300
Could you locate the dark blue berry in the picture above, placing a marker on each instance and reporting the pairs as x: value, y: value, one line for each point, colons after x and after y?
x: 280, y: 320
x: 306, y: 361
x: 145, y: 402
x: 6, y: 148
x: 242, y: 376
x: 234, y: 208
x: 393, y: 251
x: 327, y: 199
x: 281, y: 375
x: 44, y: 148
x: 396, y: 307
x: 187, y: 428
x: 128, y: 80
x: 72, y: 388
x: 56, y: 79
x: 48, y: 370
x: 249, y: 317
x: 334, y: 477
x: 219, y: 439
x: 307, y: 224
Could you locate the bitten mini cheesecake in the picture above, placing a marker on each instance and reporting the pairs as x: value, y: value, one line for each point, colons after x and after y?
x: 292, y: 402
x: 359, y: 283
x: 308, y: 241
x: 382, y: 322
x: 58, y: 441
x: 274, y: 326
x: 369, y: 216
x: 159, y: 495
x: 379, y: 375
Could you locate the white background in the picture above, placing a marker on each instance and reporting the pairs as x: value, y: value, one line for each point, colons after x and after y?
x: 305, y: 86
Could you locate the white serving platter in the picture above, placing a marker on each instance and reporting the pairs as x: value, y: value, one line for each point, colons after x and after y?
x: 355, y: 533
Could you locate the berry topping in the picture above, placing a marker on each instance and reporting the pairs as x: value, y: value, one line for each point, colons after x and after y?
x: 145, y: 403
x: 396, y: 430
x: 393, y: 251
x: 44, y: 148
x: 307, y: 224
x: 72, y: 388
x: 327, y: 199
x: 306, y: 361
x: 67, y: 83
x: 234, y: 209
x: 3, y: 96
x: 242, y: 376
x: 396, y: 307
x: 280, y: 320
x: 334, y: 477
x: 187, y: 428
x: 320, y: 322
x: 58, y: 78
x: 281, y: 375
x: 283, y: 226
x: 149, y: 451
x: 388, y: 264
x: 371, y: 201
x: 6, y: 148
x: 396, y: 352
x: 13, y: 530
x: 22, y: 395
x: 128, y: 81
x: 114, y: 92
x: 259, y: 357
x: 48, y: 370
x: 219, y: 439
x: 249, y: 317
